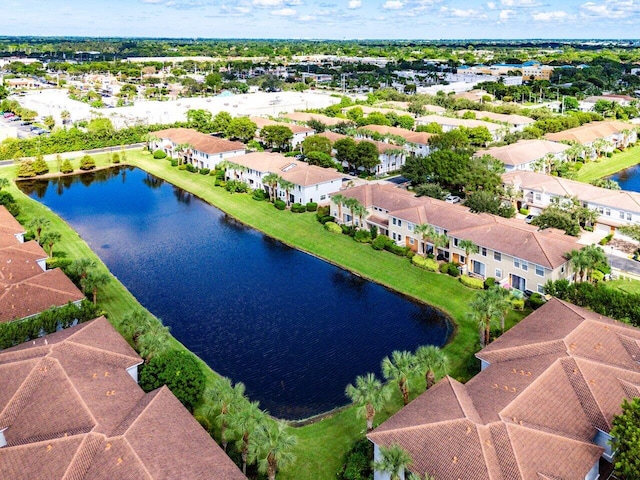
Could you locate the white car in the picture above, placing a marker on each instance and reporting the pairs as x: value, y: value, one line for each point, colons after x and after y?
x: 529, y: 218
x: 452, y: 199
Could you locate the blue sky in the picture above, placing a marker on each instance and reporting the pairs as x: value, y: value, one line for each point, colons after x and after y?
x: 334, y: 19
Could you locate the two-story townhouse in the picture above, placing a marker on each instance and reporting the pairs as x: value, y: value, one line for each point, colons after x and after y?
x: 416, y: 143
x: 528, y: 155
x: 311, y: 183
x: 199, y: 149
x: 516, y: 123
x: 450, y: 123
x: 615, y: 207
x: 300, y: 132
x: 617, y: 135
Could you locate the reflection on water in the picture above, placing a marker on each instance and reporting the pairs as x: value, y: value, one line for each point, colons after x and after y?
x: 629, y: 178
x: 296, y: 330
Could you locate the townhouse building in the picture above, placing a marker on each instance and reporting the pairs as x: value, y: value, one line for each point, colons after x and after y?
x: 416, y: 143
x: 450, y: 123
x: 613, y: 133
x: 529, y: 155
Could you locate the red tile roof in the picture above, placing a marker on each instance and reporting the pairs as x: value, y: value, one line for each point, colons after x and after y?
x: 552, y: 380
x: 199, y: 141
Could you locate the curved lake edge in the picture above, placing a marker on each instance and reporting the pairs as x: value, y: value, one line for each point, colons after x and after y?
x: 449, y: 324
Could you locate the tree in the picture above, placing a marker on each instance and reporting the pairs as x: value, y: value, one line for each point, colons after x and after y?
x: 398, y: 368
x: 632, y: 231
x: 213, y: 81
x: 40, y: 167
x: 433, y: 190
x: 271, y: 180
x: 287, y: 186
x: 339, y: 200
x: 50, y: 238
x: 322, y: 160
x: 201, y: 120
x: 485, y: 201
x: 243, y: 421
x: 153, y: 339
x: 394, y: 460
x: 277, y: 136
x: 456, y: 139
x: 431, y: 359
x: 501, y: 304
x: 49, y: 122
x: 483, y: 311
x: 585, y: 260
x: 65, y: 116
x: 178, y: 370
x: 25, y: 169
x: 66, y: 166
x: 4, y: 183
x: 366, y: 156
x: 87, y: 163
x: 93, y: 280
x: 221, y: 121
x: 370, y: 395
x: 37, y: 225
x: 346, y: 152
x: 101, y: 127
x: 607, y: 183
x: 625, y: 433
x: 80, y: 267
x: 271, y: 446
x: 225, y: 398
x: 358, y: 210
x: 469, y: 247
x: 242, y: 129
x: 316, y: 143
x: 429, y: 233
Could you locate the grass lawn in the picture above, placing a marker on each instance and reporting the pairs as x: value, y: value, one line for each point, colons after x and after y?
x: 322, y: 444
x: 627, y: 285
x: 608, y: 166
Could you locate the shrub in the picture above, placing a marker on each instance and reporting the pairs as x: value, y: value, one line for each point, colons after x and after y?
x: 332, y: 227
x: 489, y: 282
x: 40, y: 167
x: 9, y: 202
x: 259, y: 195
x: 397, y: 250
x: 326, y: 218
x: 536, y: 301
x: 357, y: 463
x: 204, y: 171
x: 174, y: 162
x: 450, y: 268
x: 236, y: 186
x: 191, y: 168
x: 517, y: 303
x: 348, y: 230
x: 524, y: 211
x: 87, y: 163
x: 312, y: 207
x: 606, y: 239
x: 279, y: 204
x: 323, y: 212
x: 298, y: 208
x: 25, y: 169
x: 66, y: 166
x: 182, y: 166
x: 159, y: 154
x: 178, y: 370
x: 426, y: 263
x: 220, y: 174
x: 115, y: 157
x: 472, y: 282
x: 374, y: 231
x: 362, y: 236
x: 380, y: 242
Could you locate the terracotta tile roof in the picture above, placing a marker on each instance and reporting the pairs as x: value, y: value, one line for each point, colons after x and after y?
x: 387, y: 197
x: 332, y: 136
x: 199, y: 141
x: 500, y: 117
x: 552, y: 380
x: 265, y: 122
x: 590, y: 132
x: 457, y: 122
x: 409, y: 135
x: 523, y: 151
x: 70, y: 410
x: 302, y: 117
x: 620, y: 199
x: 381, y: 146
x: 10, y: 228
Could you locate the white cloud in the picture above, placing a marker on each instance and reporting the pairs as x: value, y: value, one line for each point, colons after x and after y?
x: 234, y: 11
x: 306, y: 18
x: 393, y: 5
x: 354, y: 4
x: 284, y: 12
x: 459, y: 13
x: 491, y: 5
x: 506, y: 15
x: 268, y: 3
x: 610, y: 9
x: 550, y: 16
x: 521, y: 3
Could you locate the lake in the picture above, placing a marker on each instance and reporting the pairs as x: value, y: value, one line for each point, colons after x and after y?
x: 629, y: 178
x: 294, y: 329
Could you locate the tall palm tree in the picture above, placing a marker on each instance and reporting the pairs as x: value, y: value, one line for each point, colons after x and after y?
x: 50, y: 239
x: 80, y: 267
x: 93, y: 280
x: 369, y: 394
x: 431, y: 359
x: 398, y: 368
x: 37, y: 224
x: 469, y: 247
x: 287, y: 186
x: 359, y: 211
x: 339, y: 200
x: 134, y: 324
x: 271, y: 180
x: 225, y: 398
x: 4, y: 182
x: 483, y: 311
x: 271, y: 447
x: 501, y: 304
x: 153, y: 340
x: 243, y: 421
x: 579, y: 263
x: 180, y: 150
x: 393, y: 460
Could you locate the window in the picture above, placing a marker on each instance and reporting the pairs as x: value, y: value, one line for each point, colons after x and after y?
x: 455, y: 242
x: 541, y: 289
x: 393, y: 235
x: 411, y: 242
x: 607, y: 212
x: 399, y: 222
x: 539, y: 271
x: 498, y: 273
x: 516, y: 262
x: 622, y: 215
x: 497, y: 256
x: 538, y: 197
x: 394, y: 220
x: 483, y: 251
x: 410, y: 226
x: 323, y: 197
x: 462, y: 259
x: 525, y: 265
x: 629, y: 216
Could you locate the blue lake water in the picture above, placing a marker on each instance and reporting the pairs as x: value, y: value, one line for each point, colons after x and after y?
x: 296, y: 330
x: 629, y: 178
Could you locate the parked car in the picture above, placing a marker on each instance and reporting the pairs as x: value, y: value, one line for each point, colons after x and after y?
x: 453, y: 199
x: 529, y: 218
x: 8, y: 114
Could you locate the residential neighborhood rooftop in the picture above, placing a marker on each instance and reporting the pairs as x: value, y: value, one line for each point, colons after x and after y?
x: 305, y: 117
x: 523, y: 151
x: 262, y: 122
x: 199, y: 141
x: 589, y: 132
x: 408, y: 135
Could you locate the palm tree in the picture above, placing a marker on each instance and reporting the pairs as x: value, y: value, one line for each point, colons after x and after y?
x: 469, y: 247
x: 431, y: 359
x: 4, y: 183
x: 80, y: 267
x: 579, y: 263
x: 65, y: 116
x: 93, y: 280
x: 271, y: 447
x: 134, y: 324
x: 153, y: 340
x: 287, y: 186
x: 271, y: 180
x: 483, y: 311
x: 50, y: 239
x: 225, y: 397
x: 587, y: 259
x: 243, y: 421
x: 369, y: 394
x: 394, y: 460
x: 37, y: 224
x: 501, y: 304
x: 339, y: 200
x: 359, y: 211
x: 180, y: 149
x: 398, y: 369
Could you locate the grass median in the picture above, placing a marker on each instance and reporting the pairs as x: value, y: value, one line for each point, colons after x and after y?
x: 322, y: 444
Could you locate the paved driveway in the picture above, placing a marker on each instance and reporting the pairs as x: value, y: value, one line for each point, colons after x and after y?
x: 624, y: 264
